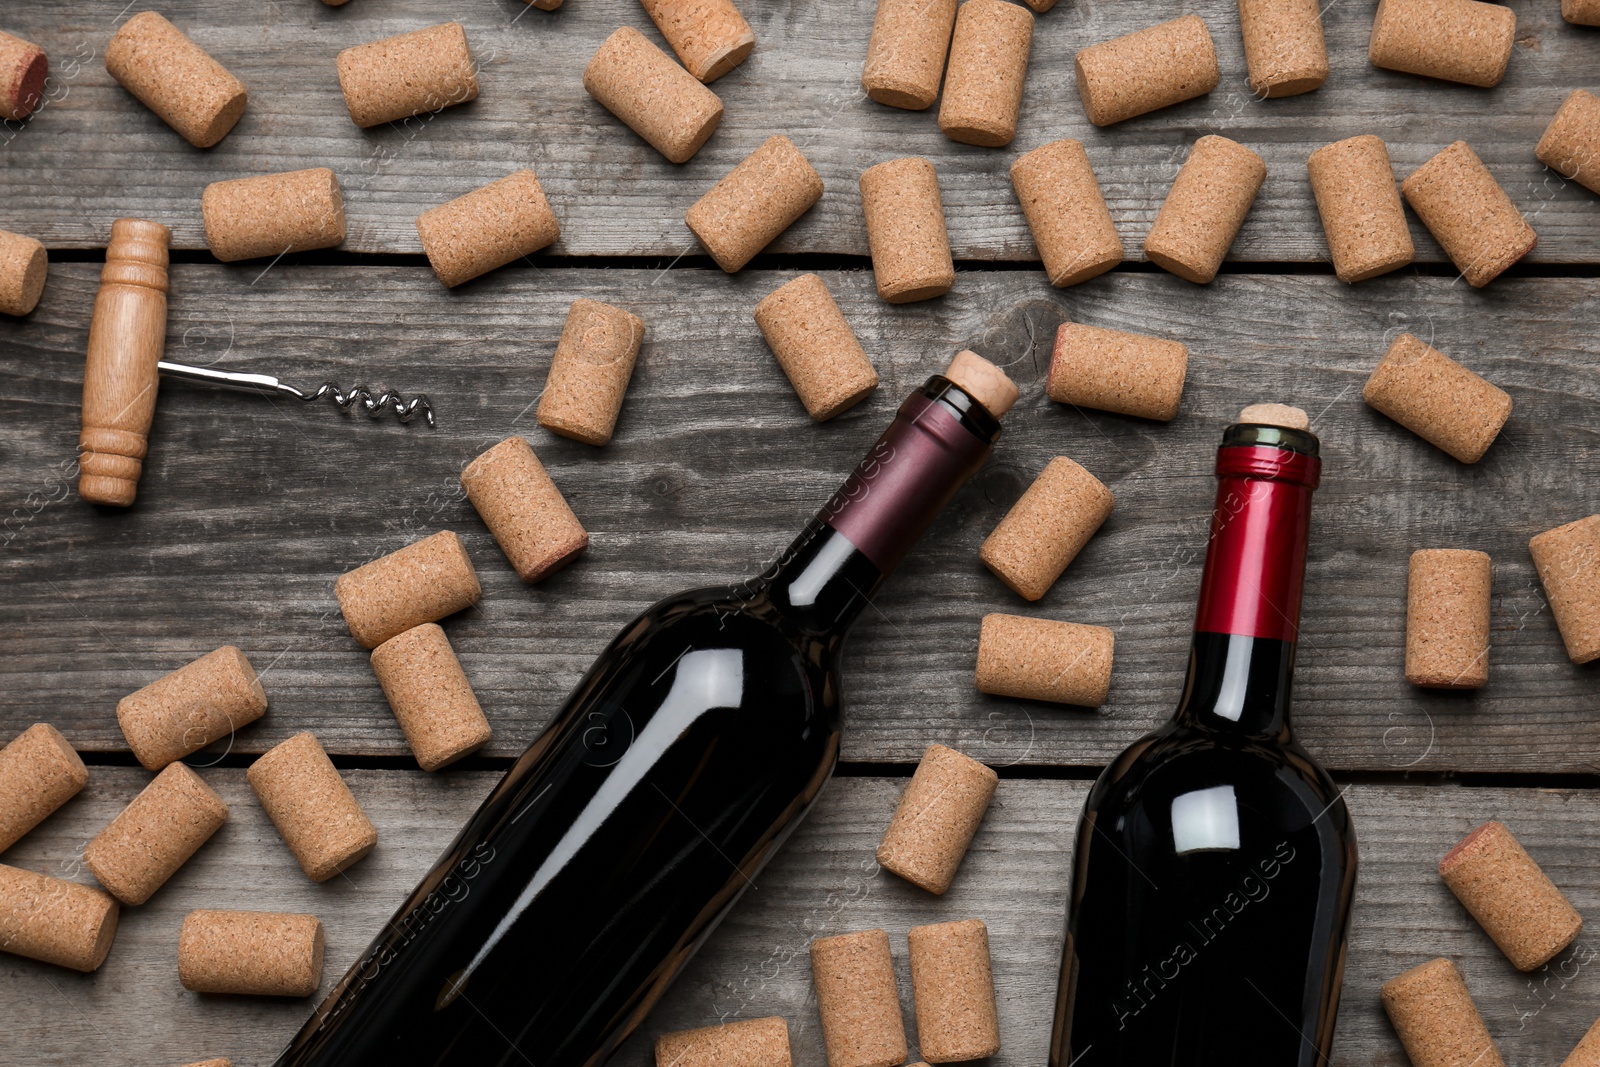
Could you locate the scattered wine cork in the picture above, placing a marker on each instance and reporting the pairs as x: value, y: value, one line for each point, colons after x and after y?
x: 422, y: 582
x: 1435, y: 1019
x: 526, y: 513
x: 55, y: 921
x: 183, y: 712
x: 23, y: 71
x: 430, y: 695
x: 905, y: 230
x: 1438, y: 399
x: 260, y: 953
x: 1290, y: 418
x: 1071, y: 224
x: 416, y: 73
x: 905, y: 57
x: 1202, y: 214
x: 815, y: 347
x: 747, y: 1043
x: 1042, y: 659
x: 1047, y: 528
x: 936, y: 819
x: 653, y: 96
x: 39, y: 772
x: 754, y: 203
x: 710, y: 36
x: 1469, y: 214
x: 954, y: 991
x: 1360, y: 208
x: 1571, y: 143
x: 1587, y: 1052
x: 858, y: 1000
x: 1568, y: 561
x: 1283, y: 46
x: 988, y: 64
x: 175, y: 78
x: 983, y: 381
x: 313, y: 809
x: 1457, y: 40
x: 1513, y: 900
x: 23, y: 267
x: 1447, y: 619
x: 487, y: 228
x: 1581, y: 13
x: 1151, y: 68
x: 589, y: 375
x: 1111, y: 370
x: 273, y: 214
x: 155, y: 835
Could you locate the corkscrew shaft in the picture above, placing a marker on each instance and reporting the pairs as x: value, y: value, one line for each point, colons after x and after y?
x: 267, y: 385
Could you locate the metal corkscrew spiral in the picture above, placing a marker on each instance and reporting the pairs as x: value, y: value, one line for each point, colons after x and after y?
x: 266, y: 384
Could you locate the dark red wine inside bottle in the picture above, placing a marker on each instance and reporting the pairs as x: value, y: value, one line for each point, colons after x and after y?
x: 1215, y: 859
x: 607, y: 854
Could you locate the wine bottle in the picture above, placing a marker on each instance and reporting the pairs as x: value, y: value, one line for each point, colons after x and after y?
x: 694, y: 744
x: 1215, y: 859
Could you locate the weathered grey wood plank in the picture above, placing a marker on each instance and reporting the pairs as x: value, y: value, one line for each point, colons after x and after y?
x: 95, y: 154
x: 248, y: 509
x: 134, y: 1011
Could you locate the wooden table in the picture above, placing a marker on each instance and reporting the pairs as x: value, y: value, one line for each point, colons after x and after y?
x: 249, y: 509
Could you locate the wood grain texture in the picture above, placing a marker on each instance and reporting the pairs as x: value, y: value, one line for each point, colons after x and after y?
x: 249, y: 509
x: 616, y: 196
x: 825, y: 881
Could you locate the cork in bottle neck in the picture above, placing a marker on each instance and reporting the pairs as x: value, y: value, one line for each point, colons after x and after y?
x: 137, y: 254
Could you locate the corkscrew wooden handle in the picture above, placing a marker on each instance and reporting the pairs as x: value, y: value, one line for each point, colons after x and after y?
x: 126, y: 339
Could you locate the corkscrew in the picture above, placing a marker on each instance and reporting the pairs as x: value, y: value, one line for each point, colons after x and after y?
x: 267, y: 385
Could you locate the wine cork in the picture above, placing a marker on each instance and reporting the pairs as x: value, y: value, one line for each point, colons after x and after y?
x: 422, y: 582
x: 1360, y: 208
x: 1042, y: 659
x: 1290, y: 418
x: 155, y: 834
x: 1438, y: 399
x: 1112, y: 370
x: 1581, y: 13
x: 1517, y: 905
x: 260, y: 953
x: 1447, y: 619
x: 954, y: 990
x: 815, y: 347
x: 39, y: 772
x: 313, y: 809
x: 1047, y: 528
x: 905, y: 230
x: 858, y: 1000
x: 905, y: 57
x: 526, y: 513
x: 1435, y: 1019
x: 1066, y: 212
x: 653, y: 96
x: 23, y: 70
x: 936, y: 819
x: 1205, y: 208
x: 1283, y: 46
x: 710, y: 36
x: 1149, y: 69
x: 747, y: 1043
x: 1457, y: 40
x: 754, y: 203
x: 1571, y: 143
x: 1587, y: 1052
x: 186, y: 710
x: 416, y: 73
x: 273, y: 214
x: 487, y: 228
x: 430, y: 696
x: 983, y: 381
x: 175, y: 78
x: 1568, y: 561
x: 23, y: 267
x: 55, y: 921
x: 988, y: 64
x: 1469, y: 214
x: 589, y: 375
